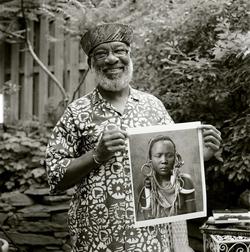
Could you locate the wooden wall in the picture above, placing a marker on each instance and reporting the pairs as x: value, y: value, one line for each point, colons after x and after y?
x: 28, y: 89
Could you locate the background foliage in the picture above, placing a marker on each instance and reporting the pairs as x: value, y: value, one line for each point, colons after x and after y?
x: 22, y: 152
x: 200, y: 61
x: 193, y: 55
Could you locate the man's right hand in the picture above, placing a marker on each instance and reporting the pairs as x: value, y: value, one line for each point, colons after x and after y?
x: 112, y: 140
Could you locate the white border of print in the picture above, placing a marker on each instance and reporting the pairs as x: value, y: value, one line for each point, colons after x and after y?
x: 155, y: 130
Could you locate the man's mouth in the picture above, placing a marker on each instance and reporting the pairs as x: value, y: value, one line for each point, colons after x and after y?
x: 114, y: 70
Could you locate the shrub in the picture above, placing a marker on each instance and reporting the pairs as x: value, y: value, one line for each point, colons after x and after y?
x: 22, y: 154
x: 199, y: 68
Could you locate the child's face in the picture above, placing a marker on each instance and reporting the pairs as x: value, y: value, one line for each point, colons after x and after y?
x: 163, y: 157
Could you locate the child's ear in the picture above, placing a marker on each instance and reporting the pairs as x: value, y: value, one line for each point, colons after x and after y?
x: 178, y: 160
x: 147, y: 169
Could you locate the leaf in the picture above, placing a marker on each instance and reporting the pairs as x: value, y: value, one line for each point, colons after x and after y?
x: 232, y: 175
x: 240, y: 176
x: 5, y: 155
x: 9, y: 185
x: 38, y: 172
x: 20, y: 166
x: 2, y: 170
x: 201, y: 79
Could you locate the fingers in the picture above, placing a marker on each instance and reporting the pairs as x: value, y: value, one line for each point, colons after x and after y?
x: 211, y: 136
x: 210, y: 130
x: 112, y: 128
x: 113, y: 149
x: 115, y: 145
x: 213, y: 146
x: 114, y: 134
x: 212, y: 140
x: 112, y: 140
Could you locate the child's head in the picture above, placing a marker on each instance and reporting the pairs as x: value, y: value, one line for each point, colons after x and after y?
x: 162, y: 154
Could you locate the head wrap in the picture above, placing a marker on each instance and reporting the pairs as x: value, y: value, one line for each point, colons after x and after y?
x: 106, y: 33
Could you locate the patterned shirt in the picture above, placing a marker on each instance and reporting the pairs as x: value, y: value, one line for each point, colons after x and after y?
x: 101, y: 210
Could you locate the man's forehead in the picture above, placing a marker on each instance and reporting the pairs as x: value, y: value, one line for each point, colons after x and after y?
x: 112, y: 44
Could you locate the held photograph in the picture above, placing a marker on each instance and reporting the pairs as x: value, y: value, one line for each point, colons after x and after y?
x: 167, y: 173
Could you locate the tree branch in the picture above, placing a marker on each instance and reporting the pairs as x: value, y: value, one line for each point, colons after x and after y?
x: 12, y: 34
x: 45, y: 69
x: 81, y: 82
x: 40, y: 63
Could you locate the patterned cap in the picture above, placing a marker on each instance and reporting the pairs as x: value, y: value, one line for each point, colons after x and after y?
x: 106, y: 33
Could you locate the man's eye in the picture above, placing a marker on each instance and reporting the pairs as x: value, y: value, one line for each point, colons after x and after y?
x: 100, y: 55
x: 120, y: 51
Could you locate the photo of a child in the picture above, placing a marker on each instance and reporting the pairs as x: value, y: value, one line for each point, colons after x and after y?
x: 167, y: 173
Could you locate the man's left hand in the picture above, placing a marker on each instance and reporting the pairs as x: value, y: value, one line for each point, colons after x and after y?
x: 212, y: 140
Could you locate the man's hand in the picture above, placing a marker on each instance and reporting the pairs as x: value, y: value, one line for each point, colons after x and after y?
x: 112, y: 140
x: 212, y: 140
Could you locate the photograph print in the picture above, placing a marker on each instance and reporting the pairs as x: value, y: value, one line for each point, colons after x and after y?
x: 167, y: 173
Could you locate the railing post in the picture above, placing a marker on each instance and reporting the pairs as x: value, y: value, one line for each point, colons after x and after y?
x: 14, y: 76
x: 58, y: 56
x: 27, y: 89
x: 43, y: 77
x: 73, y: 64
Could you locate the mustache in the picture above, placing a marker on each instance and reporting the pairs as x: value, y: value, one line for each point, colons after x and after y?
x: 115, y: 84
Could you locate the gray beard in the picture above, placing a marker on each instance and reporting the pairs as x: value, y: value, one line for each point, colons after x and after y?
x: 113, y: 84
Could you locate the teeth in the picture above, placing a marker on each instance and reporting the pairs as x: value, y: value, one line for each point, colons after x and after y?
x: 114, y: 70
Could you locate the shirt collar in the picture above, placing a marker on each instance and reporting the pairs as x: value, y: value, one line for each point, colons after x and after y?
x: 97, y: 97
x: 134, y: 94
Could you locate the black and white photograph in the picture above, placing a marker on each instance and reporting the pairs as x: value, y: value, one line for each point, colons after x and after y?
x: 167, y: 173
x: 115, y: 116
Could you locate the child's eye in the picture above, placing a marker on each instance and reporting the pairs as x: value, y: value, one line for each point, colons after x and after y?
x: 157, y: 155
x: 170, y: 156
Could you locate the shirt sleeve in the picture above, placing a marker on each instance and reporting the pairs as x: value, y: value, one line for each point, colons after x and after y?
x: 62, y: 148
x: 165, y: 117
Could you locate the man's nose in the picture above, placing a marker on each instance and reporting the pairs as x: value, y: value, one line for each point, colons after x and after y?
x: 111, y: 58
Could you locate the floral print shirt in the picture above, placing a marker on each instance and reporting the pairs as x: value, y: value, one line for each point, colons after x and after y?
x: 101, y: 210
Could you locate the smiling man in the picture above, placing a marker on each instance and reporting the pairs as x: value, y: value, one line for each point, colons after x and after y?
x: 88, y: 150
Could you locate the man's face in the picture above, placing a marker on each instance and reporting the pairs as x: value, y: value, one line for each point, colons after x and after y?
x: 163, y: 157
x: 112, y: 66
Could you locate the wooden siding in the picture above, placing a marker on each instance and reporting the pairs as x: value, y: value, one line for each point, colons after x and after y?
x: 62, y: 55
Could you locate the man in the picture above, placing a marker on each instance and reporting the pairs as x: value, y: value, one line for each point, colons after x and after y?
x: 166, y: 191
x: 88, y: 150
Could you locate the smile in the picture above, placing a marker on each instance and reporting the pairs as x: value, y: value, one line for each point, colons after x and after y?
x: 113, y: 70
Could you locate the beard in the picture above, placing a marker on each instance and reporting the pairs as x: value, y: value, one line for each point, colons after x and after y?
x: 116, y: 84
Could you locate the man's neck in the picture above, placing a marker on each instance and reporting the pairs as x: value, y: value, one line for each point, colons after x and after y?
x: 117, y: 98
x: 114, y: 95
